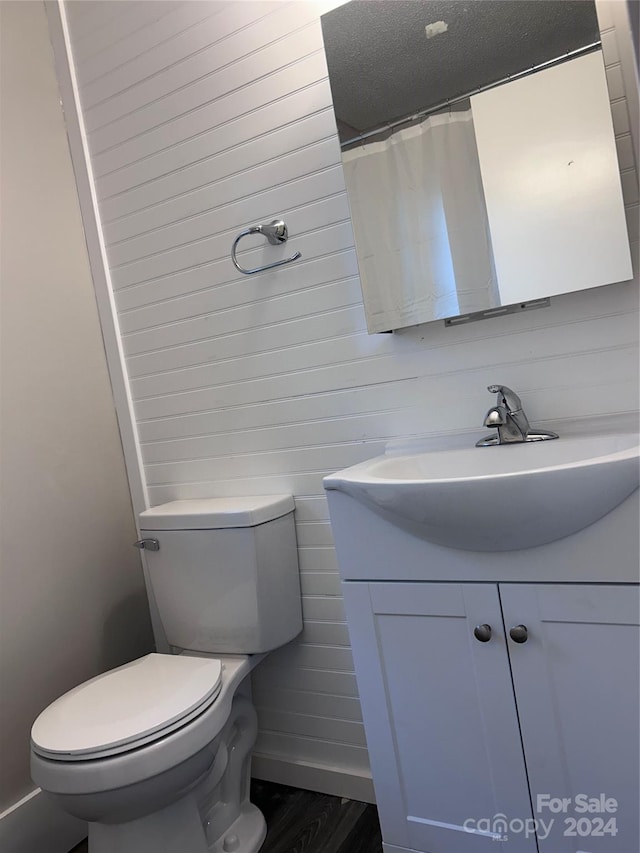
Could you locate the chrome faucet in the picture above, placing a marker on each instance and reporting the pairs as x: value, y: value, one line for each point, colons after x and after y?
x: 510, y: 420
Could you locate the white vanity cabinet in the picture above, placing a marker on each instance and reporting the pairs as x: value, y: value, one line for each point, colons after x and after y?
x: 495, y: 626
x: 465, y: 730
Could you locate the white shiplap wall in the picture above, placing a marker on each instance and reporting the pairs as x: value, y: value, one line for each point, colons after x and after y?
x: 203, y: 118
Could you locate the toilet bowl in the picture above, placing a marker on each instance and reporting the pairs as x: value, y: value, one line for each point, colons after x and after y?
x: 155, y: 755
x: 147, y: 781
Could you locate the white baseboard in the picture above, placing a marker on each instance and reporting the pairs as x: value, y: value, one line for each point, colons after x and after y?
x: 34, y: 825
x: 326, y: 780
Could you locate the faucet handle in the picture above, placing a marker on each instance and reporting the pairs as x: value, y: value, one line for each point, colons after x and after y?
x: 506, y: 397
x: 495, y: 417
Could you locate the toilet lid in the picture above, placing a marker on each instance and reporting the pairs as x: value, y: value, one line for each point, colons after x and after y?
x: 137, y: 702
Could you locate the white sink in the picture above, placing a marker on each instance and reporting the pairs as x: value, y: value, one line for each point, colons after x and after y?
x: 498, y: 498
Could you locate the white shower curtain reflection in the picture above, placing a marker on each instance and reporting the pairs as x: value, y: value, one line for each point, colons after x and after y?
x: 420, y: 223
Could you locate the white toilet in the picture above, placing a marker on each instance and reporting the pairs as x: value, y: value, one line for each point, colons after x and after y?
x: 155, y: 755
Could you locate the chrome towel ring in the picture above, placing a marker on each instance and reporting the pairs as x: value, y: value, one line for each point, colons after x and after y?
x: 276, y: 233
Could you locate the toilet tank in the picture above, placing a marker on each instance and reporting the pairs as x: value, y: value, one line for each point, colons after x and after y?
x: 225, y: 575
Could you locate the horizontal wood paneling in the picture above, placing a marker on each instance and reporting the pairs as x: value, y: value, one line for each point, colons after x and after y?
x: 102, y: 29
x: 205, y: 88
x: 621, y: 125
x: 324, y: 377
x: 320, y: 582
x: 144, y: 187
x: 201, y: 65
x: 273, y: 679
x: 319, y: 559
x: 313, y: 750
x: 140, y: 53
x: 311, y: 509
x: 336, y: 658
x: 313, y: 534
x: 323, y: 609
x: 204, y: 118
x: 342, y: 731
x: 262, y: 92
x: 341, y: 349
x: 286, y: 414
x: 327, y: 633
x: 297, y: 701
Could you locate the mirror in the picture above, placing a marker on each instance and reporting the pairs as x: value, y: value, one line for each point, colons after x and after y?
x: 478, y: 152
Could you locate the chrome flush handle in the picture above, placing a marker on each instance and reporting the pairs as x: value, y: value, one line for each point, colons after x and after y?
x: 147, y: 544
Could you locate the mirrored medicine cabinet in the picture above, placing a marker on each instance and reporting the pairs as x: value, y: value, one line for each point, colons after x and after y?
x: 479, y: 154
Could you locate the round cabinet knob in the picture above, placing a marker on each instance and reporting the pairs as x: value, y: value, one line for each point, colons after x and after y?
x: 519, y: 633
x: 482, y: 633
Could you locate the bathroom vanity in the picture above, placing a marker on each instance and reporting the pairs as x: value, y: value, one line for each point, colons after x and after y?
x: 499, y: 688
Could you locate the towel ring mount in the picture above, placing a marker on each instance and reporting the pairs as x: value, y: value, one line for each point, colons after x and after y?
x: 276, y: 233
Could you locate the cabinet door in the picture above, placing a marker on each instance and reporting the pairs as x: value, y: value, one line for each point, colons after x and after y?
x: 439, y: 714
x: 577, y: 679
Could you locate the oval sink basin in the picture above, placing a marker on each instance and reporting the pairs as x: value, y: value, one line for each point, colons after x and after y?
x: 498, y: 498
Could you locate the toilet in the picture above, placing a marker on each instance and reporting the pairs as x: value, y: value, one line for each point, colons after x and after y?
x: 155, y: 755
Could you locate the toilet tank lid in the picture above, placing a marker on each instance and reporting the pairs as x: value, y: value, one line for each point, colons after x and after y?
x: 216, y: 513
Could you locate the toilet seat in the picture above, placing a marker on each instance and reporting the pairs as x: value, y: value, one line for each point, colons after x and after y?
x: 127, y: 707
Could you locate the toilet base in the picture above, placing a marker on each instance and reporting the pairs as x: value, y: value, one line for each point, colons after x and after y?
x: 174, y: 829
x: 178, y: 829
x: 245, y: 835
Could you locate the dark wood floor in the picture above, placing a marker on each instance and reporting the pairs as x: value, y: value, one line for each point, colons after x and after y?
x: 306, y: 822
